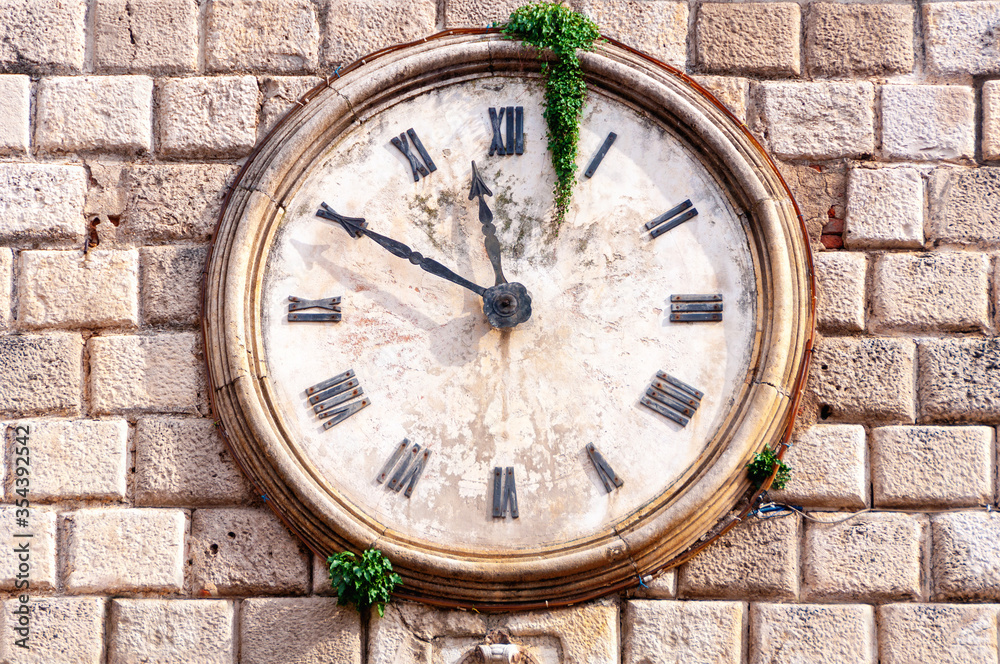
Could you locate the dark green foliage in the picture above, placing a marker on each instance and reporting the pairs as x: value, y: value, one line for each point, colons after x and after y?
x: 763, y: 464
x: 561, y: 30
x: 365, y: 583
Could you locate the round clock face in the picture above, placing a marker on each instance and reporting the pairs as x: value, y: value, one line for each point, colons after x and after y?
x: 410, y: 352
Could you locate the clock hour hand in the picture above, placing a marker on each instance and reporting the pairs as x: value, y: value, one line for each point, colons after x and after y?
x: 479, y: 188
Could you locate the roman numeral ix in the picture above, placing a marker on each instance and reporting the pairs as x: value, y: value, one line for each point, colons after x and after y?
x: 296, y: 304
x: 334, y: 400
x: 671, y: 219
x: 415, y: 165
x: 408, y: 472
x: 672, y: 398
x: 506, y: 495
x: 515, y: 130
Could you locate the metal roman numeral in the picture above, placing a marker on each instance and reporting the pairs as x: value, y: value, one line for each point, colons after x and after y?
x: 695, y: 308
x: 599, y: 157
x: 607, y: 474
x: 505, y: 496
x: 673, y: 217
x: 296, y: 304
x: 416, y: 167
x: 409, y: 470
x: 672, y: 398
x: 328, y: 213
x: 333, y: 400
x: 515, y: 130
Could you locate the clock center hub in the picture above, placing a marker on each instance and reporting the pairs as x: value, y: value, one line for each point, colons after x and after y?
x: 507, y: 305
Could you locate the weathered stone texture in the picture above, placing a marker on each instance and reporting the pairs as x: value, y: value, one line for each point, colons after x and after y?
x: 280, y: 93
x: 928, y: 122
x: 661, y: 586
x: 959, y: 379
x: 280, y: 36
x: 183, y: 462
x: 208, y: 117
x: 812, y: 633
x: 94, y: 114
x: 406, y: 634
x: 42, y: 202
x: 817, y: 120
x: 733, y: 91
x: 961, y: 37
x: 174, y: 201
x: 752, y: 38
x: 885, y: 209
x: 665, y: 632
x: 246, y: 551
x: 15, y: 100
x: 829, y: 468
x: 759, y: 558
x: 156, y: 631
x: 933, y: 291
x: 323, y: 632
x: 41, y: 374
x: 965, y: 205
x: 587, y: 633
x: 42, y: 36
x: 354, y: 28
x: 146, y: 36
x: 932, y: 466
x: 146, y: 373
x: 939, y: 633
x: 965, y: 556
x: 6, y: 282
x: 124, y: 550
x: 91, y: 289
x: 652, y: 26
x: 171, y: 284
x: 859, y: 39
x: 864, y: 378
x: 991, y: 120
x: 78, y: 459
x: 821, y: 192
x: 62, y: 630
x: 41, y: 573
x: 840, y: 290
x: 872, y: 557
x: 478, y: 13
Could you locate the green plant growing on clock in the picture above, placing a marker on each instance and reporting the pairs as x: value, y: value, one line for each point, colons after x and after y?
x: 559, y: 29
x: 365, y: 582
x: 762, y: 466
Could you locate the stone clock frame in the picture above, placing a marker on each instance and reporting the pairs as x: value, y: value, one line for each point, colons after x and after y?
x: 650, y: 539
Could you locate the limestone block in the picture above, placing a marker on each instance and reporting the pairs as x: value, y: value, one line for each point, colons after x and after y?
x: 15, y: 100
x: 749, y: 38
x: 733, y: 91
x: 932, y: 466
x: 6, y: 281
x: 94, y: 113
x: 156, y: 631
x: 171, y: 284
x: 323, y: 632
x: 41, y: 554
x: 840, y: 290
x: 414, y: 633
x: 587, y: 633
x: 991, y: 120
x: 161, y: 372
x: 960, y: 37
x: 280, y: 94
x: 665, y: 632
x: 939, y: 633
x: 661, y: 586
x: 829, y: 467
x: 208, y: 117
x: 821, y: 192
x: 42, y: 203
x: 183, y: 462
x: 813, y: 633
x: 78, y: 289
x: 965, y: 556
x: 959, y: 379
x: 168, y: 202
x: 758, y: 558
x: 932, y: 291
x: 118, y: 550
x: 818, y: 120
x: 321, y: 577
x: 145, y: 36
x: 77, y: 459
x: 885, y: 209
x: 247, y: 551
x: 859, y: 39
x: 354, y: 28
x: 928, y: 122
x: 42, y: 36
x: 965, y: 205
x: 280, y: 36
x: 872, y: 557
x: 41, y: 373
x: 478, y: 13
x: 652, y: 26
x: 864, y: 378
x: 62, y: 630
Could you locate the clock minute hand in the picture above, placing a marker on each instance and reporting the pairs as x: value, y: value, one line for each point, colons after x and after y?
x: 479, y: 188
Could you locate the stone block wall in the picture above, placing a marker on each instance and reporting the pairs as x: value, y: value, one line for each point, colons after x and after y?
x: 122, y: 122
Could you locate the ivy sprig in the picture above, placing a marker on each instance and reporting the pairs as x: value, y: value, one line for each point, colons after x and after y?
x: 762, y: 465
x: 363, y: 583
x: 553, y: 26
